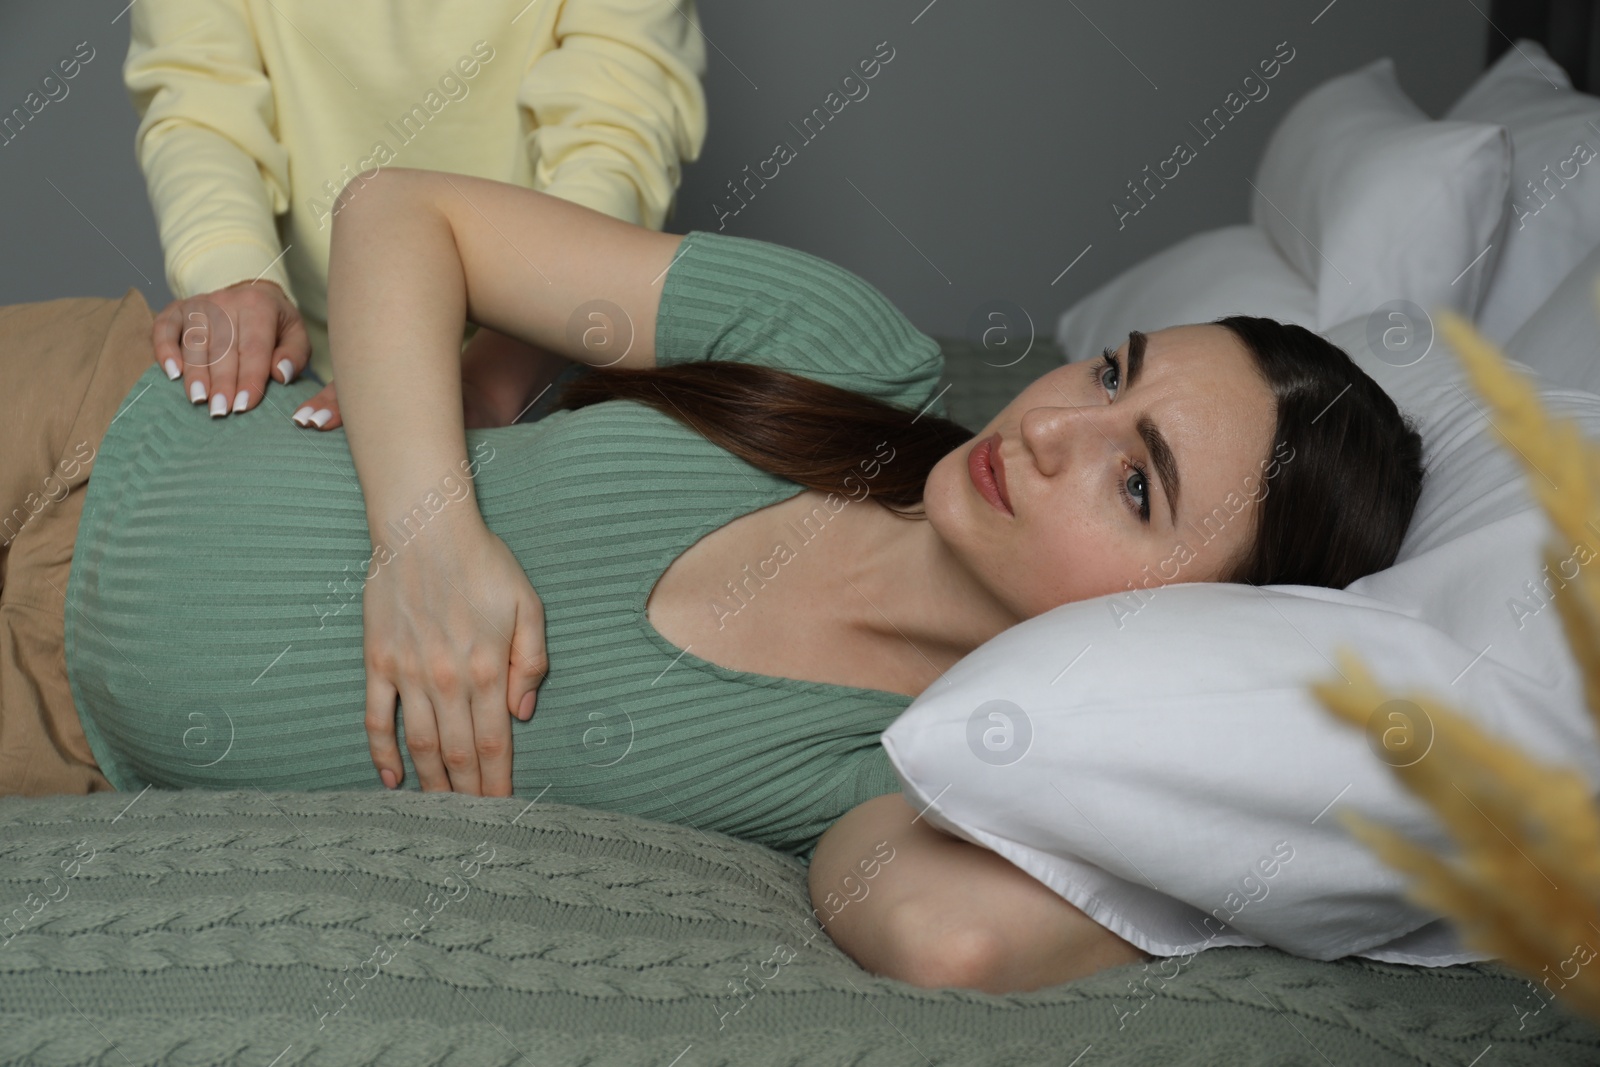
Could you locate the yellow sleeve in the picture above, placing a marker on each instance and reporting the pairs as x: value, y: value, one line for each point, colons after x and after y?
x: 206, y: 142
x: 618, y: 105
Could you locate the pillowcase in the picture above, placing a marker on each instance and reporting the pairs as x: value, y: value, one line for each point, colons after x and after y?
x: 1553, y: 206
x: 1372, y: 202
x: 1231, y: 271
x: 1561, y: 340
x: 1156, y: 758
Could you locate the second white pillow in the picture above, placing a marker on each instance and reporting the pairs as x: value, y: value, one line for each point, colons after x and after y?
x: 1372, y: 202
x: 1553, y: 213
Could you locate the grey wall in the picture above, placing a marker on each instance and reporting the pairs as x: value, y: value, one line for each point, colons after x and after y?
x: 982, y: 161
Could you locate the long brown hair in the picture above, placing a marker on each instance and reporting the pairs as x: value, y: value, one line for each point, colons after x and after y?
x: 1337, y: 511
x: 810, y: 432
x: 1340, y: 508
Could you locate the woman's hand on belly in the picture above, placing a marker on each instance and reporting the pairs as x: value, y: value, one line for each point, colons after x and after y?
x: 455, y: 631
x: 225, y: 344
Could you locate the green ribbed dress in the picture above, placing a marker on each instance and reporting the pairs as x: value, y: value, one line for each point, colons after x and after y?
x: 213, y: 626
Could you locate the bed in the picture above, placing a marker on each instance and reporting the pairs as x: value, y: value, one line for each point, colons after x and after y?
x: 407, y: 928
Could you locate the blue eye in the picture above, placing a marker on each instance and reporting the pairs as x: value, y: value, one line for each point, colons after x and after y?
x: 1109, y: 367
x: 1108, y: 364
x: 1139, y: 496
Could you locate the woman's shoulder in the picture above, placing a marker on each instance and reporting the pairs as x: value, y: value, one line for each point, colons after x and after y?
x: 740, y: 298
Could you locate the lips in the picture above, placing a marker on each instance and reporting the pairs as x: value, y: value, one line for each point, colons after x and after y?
x: 988, y: 473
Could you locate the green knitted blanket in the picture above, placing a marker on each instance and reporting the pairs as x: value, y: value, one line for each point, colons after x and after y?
x: 411, y: 928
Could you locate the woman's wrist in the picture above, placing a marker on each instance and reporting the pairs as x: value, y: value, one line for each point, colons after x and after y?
x: 454, y: 517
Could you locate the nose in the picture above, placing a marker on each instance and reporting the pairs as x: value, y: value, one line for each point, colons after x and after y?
x: 1056, y: 433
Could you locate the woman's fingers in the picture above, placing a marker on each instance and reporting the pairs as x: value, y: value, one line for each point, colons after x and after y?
x: 529, y: 661
x: 456, y: 635
x: 225, y: 345
x: 267, y: 321
x: 164, y: 336
x: 228, y: 327
x: 321, y: 411
x: 491, y: 729
x: 452, y: 745
x: 293, y: 351
x: 209, y: 339
x: 258, y: 337
x: 458, y: 737
x: 380, y: 729
x: 423, y: 740
x: 192, y: 334
x: 474, y: 734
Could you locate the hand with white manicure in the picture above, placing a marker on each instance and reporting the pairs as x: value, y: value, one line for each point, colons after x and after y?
x: 224, y: 344
x: 321, y: 411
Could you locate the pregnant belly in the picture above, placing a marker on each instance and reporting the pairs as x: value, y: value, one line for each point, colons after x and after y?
x: 215, y: 632
x: 214, y: 618
x: 220, y: 652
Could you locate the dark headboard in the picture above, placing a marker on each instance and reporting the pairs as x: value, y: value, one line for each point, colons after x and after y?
x: 1568, y: 29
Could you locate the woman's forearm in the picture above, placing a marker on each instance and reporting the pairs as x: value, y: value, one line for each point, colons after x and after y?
x: 396, y: 307
x: 414, y: 254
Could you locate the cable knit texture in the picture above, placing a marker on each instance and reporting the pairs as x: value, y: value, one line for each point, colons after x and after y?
x: 346, y: 928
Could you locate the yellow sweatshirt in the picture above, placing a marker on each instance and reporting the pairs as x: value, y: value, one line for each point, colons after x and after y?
x: 255, y: 113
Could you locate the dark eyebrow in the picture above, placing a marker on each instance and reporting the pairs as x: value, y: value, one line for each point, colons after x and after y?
x: 1154, y: 440
x: 1136, y: 341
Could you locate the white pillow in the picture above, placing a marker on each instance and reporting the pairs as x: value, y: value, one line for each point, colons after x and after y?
x: 1231, y: 271
x: 1158, y: 761
x: 1553, y: 210
x: 1372, y: 202
x: 1562, y: 339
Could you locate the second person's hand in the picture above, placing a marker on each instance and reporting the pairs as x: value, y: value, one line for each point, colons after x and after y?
x: 225, y: 344
x: 452, y: 628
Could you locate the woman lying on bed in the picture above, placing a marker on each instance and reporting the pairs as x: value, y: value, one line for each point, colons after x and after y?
x: 738, y: 571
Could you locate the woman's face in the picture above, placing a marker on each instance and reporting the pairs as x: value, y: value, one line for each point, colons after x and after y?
x: 1146, y: 470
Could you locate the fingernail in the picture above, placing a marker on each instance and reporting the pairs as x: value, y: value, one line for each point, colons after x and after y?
x: 219, y: 405
x: 197, y: 392
x: 525, y: 711
x: 286, y: 369
x: 241, y: 400
x: 322, y: 417
x: 388, y: 778
x: 173, y: 370
x: 303, y: 416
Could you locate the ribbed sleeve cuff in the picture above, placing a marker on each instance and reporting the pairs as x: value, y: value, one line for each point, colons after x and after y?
x: 695, y: 302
